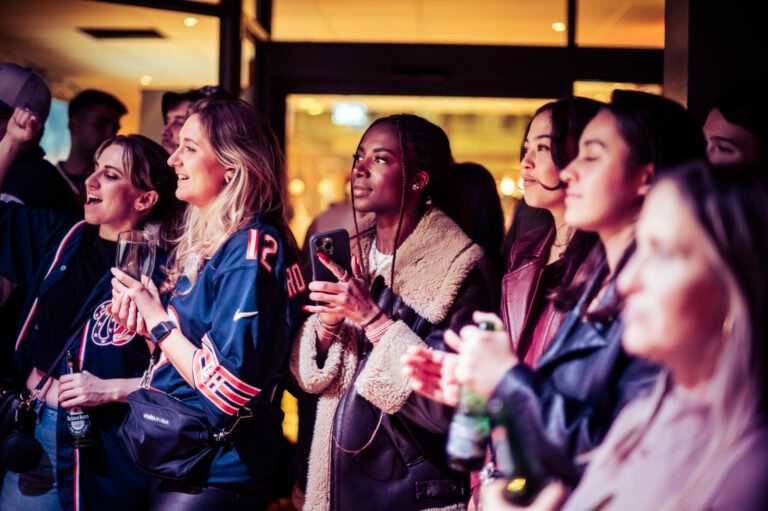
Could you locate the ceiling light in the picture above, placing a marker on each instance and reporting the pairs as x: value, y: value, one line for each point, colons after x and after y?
x: 190, y: 22
x: 558, y: 26
x: 146, y: 80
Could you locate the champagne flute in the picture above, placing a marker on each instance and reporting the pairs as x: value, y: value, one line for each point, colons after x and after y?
x: 136, y: 253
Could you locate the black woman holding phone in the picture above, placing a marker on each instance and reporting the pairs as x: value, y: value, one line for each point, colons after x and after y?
x: 414, y: 274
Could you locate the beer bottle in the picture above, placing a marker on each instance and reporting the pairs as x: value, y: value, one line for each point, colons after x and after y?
x: 470, y: 428
x: 78, y: 418
x: 525, y: 477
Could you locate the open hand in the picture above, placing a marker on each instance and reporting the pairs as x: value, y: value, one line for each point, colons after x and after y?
x: 348, y: 298
x: 433, y: 373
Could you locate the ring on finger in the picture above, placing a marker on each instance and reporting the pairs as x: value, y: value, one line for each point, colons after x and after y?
x: 344, y: 277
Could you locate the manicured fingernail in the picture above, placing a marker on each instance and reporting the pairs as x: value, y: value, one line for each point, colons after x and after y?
x: 305, y: 308
x: 321, y: 256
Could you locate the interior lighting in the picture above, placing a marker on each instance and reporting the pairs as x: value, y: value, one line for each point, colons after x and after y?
x: 349, y: 114
x: 507, y: 186
x: 145, y: 80
x: 190, y: 21
x: 558, y: 26
x: 296, y: 187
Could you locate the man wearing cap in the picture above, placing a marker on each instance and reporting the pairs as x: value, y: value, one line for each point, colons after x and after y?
x: 175, y: 107
x: 31, y: 180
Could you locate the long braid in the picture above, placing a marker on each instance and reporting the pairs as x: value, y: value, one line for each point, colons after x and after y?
x: 402, y: 210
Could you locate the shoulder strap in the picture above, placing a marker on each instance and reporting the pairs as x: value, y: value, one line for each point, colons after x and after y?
x: 56, y: 362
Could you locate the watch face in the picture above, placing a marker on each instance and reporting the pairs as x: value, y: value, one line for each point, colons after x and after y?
x: 161, y: 330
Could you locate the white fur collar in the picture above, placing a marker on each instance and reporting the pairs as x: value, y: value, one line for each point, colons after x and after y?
x: 431, y: 264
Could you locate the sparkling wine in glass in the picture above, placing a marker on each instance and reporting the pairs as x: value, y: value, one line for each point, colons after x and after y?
x: 136, y: 253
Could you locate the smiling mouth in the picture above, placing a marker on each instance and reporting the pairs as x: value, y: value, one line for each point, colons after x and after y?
x: 92, y: 199
x: 182, y: 177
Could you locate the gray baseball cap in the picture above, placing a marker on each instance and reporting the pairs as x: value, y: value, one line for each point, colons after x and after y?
x: 22, y: 87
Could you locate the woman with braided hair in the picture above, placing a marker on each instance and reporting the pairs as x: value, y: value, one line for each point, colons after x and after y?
x: 416, y: 273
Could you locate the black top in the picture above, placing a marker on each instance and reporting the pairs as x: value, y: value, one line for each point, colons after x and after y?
x: 57, y: 309
x: 36, y: 182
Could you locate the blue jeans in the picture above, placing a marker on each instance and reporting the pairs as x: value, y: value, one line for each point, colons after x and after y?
x: 36, y: 490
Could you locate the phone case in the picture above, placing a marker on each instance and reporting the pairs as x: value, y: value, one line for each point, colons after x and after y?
x: 335, y: 245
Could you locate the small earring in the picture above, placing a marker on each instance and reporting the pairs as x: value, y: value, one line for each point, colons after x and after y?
x: 416, y: 187
x: 227, y: 179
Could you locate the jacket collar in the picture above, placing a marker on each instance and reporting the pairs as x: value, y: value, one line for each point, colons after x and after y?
x: 432, y: 263
x: 527, y: 259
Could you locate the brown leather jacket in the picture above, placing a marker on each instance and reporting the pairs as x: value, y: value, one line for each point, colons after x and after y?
x: 529, y: 336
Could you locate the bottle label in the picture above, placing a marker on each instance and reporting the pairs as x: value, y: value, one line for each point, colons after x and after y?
x: 467, y: 436
x: 79, y: 423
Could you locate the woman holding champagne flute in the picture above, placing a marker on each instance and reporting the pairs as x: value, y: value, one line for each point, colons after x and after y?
x: 65, y: 265
x: 236, y: 292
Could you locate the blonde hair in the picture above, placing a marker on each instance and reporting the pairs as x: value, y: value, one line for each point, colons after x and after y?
x: 244, y: 143
x: 732, y: 214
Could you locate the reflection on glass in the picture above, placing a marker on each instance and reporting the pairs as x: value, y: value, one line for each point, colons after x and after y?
x: 601, y: 91
x: 629, y: 24
x: 494, y: 22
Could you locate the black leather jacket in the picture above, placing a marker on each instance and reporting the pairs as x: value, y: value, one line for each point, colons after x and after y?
x: 377, y: 445
x: 404, y: 466
x: 566, y: 405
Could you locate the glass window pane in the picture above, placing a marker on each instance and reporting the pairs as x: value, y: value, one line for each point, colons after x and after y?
x: 322, y: 133
x: 601, y: 91
x: 502, y: 22
x: 135, y: 70
x: 625, y: 24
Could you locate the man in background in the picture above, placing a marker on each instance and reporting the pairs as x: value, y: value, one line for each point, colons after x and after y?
x: 94, y: 116
x: 175, y: 108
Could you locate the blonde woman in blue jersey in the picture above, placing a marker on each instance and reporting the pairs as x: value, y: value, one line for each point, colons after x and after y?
x: 236, y: 291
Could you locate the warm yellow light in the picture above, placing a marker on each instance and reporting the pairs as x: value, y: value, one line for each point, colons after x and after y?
x: 145, y: 80
x: 521, y: 185
x: 315, y: 109
x: 296, y: 186
x: 516, y: 484
x: 190, y: 22
x: 326, y: 188
x: 558, y: 26
x: 507, y: 186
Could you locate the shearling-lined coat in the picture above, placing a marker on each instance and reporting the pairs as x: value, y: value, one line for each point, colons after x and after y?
x: 377, y: 445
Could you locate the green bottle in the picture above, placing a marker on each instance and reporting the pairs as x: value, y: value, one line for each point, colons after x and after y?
x: 525, y: 477
x: 470, y: 428
x: 78, y: 418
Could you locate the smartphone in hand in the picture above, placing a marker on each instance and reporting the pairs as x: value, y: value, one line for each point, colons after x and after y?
x: 335, y: 245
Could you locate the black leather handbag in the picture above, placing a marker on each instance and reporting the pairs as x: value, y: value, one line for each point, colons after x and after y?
x: 19, y: 449
x: 167, y: 438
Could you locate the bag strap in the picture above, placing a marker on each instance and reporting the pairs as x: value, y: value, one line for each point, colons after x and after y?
x: 218, y: 435
x: 56, y: 362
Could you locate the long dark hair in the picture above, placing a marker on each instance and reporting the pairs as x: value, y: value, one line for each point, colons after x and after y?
x: 423, y: 146
x: 569, y: 118
x: 660, y: 132
x: 485, y: 217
